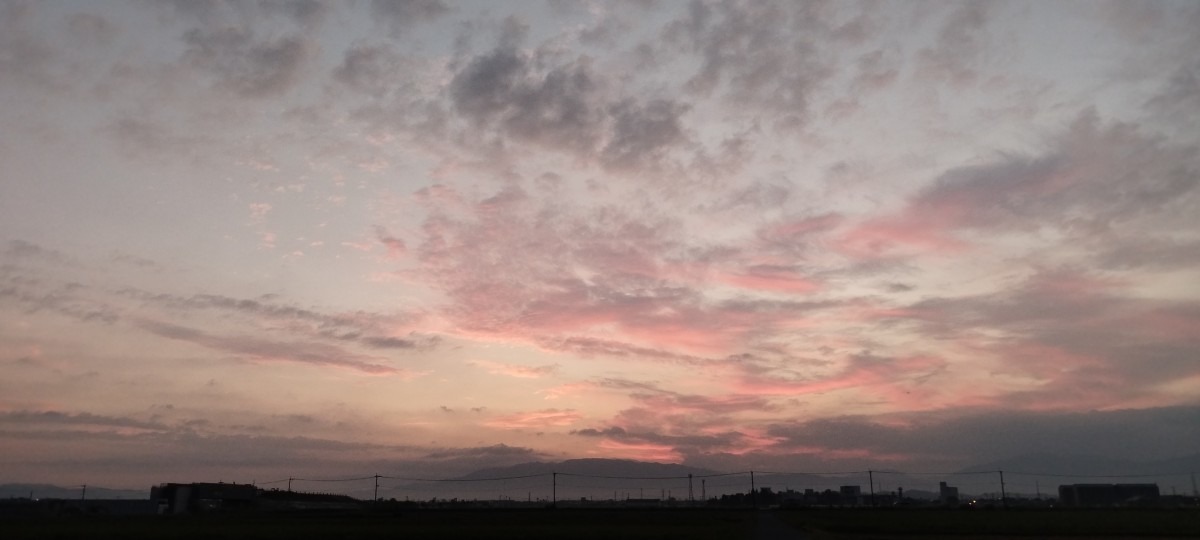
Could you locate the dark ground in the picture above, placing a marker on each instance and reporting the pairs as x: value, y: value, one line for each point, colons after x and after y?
x: 691, y: 524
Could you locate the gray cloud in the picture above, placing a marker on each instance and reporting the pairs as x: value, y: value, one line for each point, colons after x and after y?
x: 960, y: 45
x: 243, y: 65
x: 1140, y: 434
x: 58, y: 418
x: 305, y: 12
x: 35, y: 291
x: 642, y: 134
x: 394, y: 245
x: 24, y: 57
x: 1096, y: 182
x: 260, y: 349
x: 764, y: 56
x: 685, y: 444
x: 366, y: 328
x: 372, y: 70
x: 502, y: 451
x: 399, y: 15
x: 559, y: 108
x: 568, y: 107
x: 1085, y: 342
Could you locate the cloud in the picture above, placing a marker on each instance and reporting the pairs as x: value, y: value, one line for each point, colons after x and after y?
x: 304, y: 12
x: 535, y: 419
x: 20, y: 249
x: 399, y: 15
x: 494, y: 451
x: 263, y: 350
x: 258, y: 211
x: 561, y: 108
x: 366, y: 328
x: 642, y: 134
x: 568, y: 107
x: 70, y: 299
x: 680, y: 423
x: 773, y: 278
x: 1137, y: 434
x: 243, y: 66
x: 764, y: 57
x: 1075, y: 339
x: 590, y: 347
x: 372, y: 70
x: 521, y: 372
x: 890, y: 378
x: 24, y: 57
x: 395, y: 246
x: 960, y: 46
x: 588, y: 278
x: 27, y: 419
x: 1093, y: 179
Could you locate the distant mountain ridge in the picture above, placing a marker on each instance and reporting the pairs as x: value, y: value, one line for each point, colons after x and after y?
x: 608, y: 472
x: 593, y: 467
x: 1088, y: 465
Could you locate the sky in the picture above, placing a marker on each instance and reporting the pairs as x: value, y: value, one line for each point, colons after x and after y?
x: 244, y: 240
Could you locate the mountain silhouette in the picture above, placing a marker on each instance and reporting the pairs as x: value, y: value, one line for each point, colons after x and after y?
x: 1088, y: 465
x: 592, y: 467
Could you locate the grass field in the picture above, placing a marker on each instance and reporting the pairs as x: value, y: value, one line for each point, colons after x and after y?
x: 691, y: 524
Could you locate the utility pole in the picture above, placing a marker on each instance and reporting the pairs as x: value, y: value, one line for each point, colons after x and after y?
x: 1194, y: 492
x: 703, y: 490
x: 376, y: 488
x: 1003, y: 495
x: 871, y: 479
x: 83, y: 493
x: 290, y: 484
x: 691, y: 495
x: 554, y: 489
x: 753, y: 491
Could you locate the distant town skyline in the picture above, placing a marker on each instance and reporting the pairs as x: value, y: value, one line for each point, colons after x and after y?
x: 241, y: 239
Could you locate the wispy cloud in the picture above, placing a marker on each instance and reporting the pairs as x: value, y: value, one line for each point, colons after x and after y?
x: 521, y: 372
x: 535, y: 419
x: 272, y: 351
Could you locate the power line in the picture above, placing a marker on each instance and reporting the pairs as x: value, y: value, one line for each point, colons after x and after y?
x: 1098, y: 475
x: 625, y: 477
x: 355, y: 479
x: 780, y: 473
x: 539, y: 475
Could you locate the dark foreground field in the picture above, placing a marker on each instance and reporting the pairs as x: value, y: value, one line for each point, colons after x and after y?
x: 996, y: 524
x: 691, y: 524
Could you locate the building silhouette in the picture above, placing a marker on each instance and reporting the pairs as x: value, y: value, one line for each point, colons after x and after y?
x: 1107, y: 495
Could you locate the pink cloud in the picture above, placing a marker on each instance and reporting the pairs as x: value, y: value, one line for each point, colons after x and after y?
x: 788, y: 230
x: 588, y: 347
x: 641, y: 451
x: 522, y: 372
x: 535, y: 419
x: 258, y: 211
x: 879, y: 375
x: 771, y: 278
x: 932, y: 233
x: 395, y: 246
x: 361, y: 246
